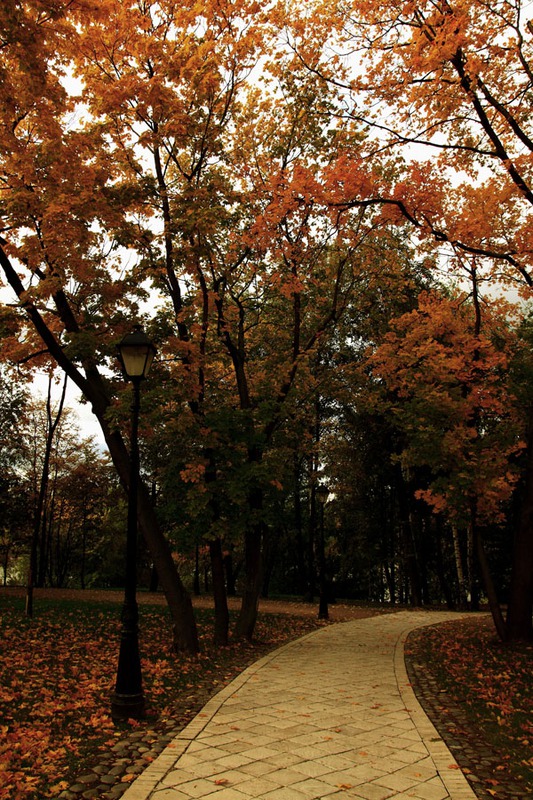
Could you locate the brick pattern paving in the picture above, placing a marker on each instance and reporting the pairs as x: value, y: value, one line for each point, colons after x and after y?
x: 329, y: 716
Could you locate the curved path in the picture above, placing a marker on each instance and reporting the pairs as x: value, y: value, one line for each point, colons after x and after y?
x: 331, y: 715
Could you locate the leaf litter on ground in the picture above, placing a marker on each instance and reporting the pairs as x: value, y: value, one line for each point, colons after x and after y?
x: 57, y: 673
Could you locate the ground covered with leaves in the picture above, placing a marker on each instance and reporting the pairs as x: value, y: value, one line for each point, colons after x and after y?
x: 479, y: 694
x: 57, y: 673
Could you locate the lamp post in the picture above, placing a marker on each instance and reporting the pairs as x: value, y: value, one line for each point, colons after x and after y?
x: 322, y: 494
x: 136, y: 353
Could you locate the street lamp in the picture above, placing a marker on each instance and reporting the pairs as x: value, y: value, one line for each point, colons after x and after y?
x: 136, y: 353
x: 322, y: 494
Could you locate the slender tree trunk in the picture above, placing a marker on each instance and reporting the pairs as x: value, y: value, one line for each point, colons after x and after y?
x: 196, y: 581
x: 252, y: 583
x: 44, y: 550
x: 221, y: 631
x: 421, y: 544
x: 253, y: 544
x: 298, y: 525
x: 441, y: 573
x: 486, y: 575
x: 83, y: 548
x: 408, y: 543
x: 270, y: 547
x: 253, y: 552
x: 154, y: 579
x: 230, y: 575
x: 311, y: 571
x: 37, y: 568
x: 520, y: 607
x: 389, y: 582
x: 461, y: 580
x: 323, y: 611
x: 471, y: 561
x: 488, y: 583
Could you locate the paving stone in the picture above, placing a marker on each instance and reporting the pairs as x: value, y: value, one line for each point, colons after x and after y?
x: 331, y: 716
x: 108, y: 780
x: 90, y: 778
x: 118, y: 770
x: 115, y: 792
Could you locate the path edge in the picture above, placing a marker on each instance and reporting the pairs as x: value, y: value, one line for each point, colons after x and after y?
x: 446, y: 765
x: 145, y: 783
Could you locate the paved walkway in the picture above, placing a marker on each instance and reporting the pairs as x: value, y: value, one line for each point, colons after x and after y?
x: 331, y: 715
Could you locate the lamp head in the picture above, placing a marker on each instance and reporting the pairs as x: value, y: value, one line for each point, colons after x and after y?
x: 322, y: 493
x: 136, y: 354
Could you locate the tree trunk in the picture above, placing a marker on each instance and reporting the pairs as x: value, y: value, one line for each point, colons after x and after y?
x: 441, y: 574
x: 196, y: 582
x: 408, y: 543
x: 298, y: 525
x: 252, y: 584
x: 154, y: 579
x: 488, y: 583
x: 461, y: 580
x: 221, y: 630
x: 311, y: 543
x: 219, y: 593
x: 5, y: 565
x: 253, y: 545
x: 473, y: 593
x: 270, y: 548
x: 390, y: 581
x: 230, y: 575
x: 185, y: 635
x: 520, y: 608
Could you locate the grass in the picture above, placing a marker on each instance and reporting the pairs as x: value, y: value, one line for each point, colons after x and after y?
x: 57, y: 673
x: 491, y: 683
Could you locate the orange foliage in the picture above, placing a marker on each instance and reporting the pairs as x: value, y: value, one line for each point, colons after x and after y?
x: 445, y: 388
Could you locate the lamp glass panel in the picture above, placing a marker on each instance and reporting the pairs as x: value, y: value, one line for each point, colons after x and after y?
x: 137, y: 360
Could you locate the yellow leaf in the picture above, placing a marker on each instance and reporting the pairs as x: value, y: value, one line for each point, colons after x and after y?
x: 59, y: 787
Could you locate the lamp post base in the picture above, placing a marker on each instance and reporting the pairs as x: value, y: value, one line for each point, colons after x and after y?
x: 127, y: 706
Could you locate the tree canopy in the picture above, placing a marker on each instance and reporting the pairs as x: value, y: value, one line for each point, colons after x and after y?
x: 302, y: 206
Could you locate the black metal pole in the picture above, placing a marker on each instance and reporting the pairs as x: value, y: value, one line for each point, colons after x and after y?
x: 128, y: 699
x: 323, y: 611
